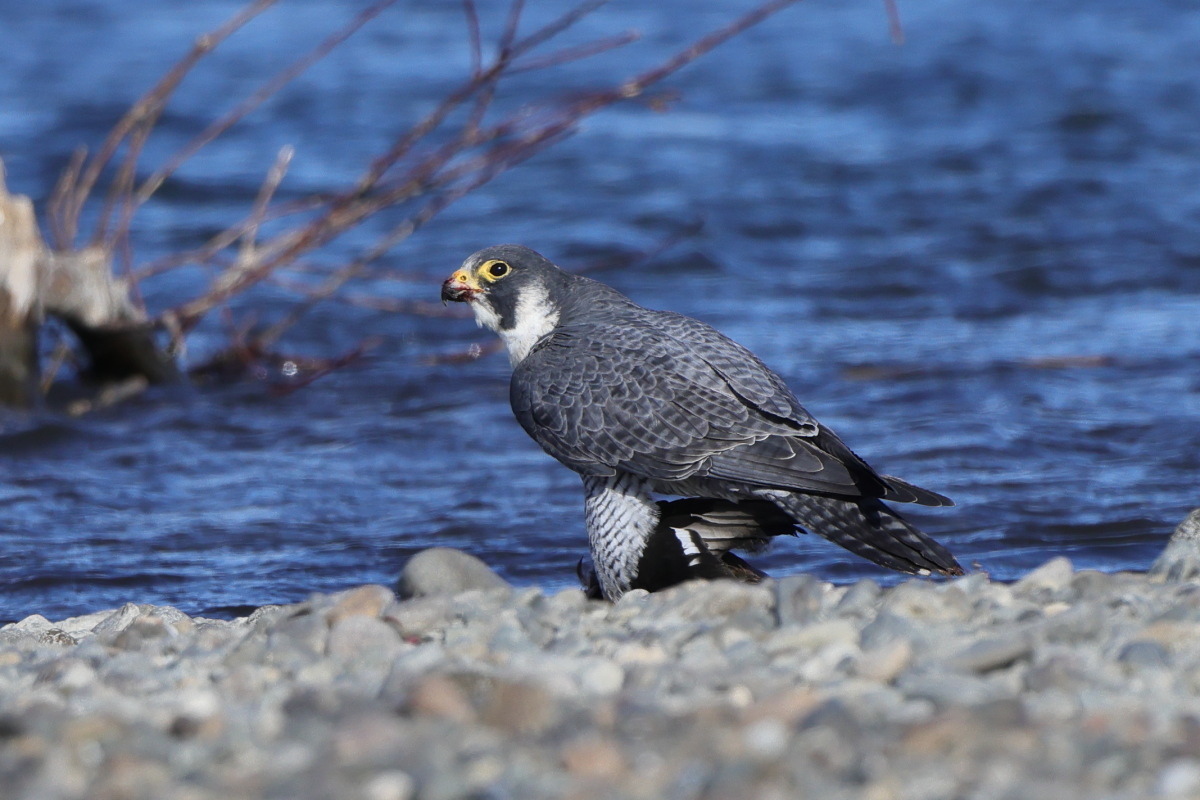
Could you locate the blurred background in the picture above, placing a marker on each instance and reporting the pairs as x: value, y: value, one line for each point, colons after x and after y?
x: 975, y: 255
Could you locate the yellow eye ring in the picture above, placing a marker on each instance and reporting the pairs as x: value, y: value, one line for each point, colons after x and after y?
x: 493, y: 270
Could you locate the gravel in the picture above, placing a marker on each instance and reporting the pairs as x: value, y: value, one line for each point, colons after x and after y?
x: 1065, y: 684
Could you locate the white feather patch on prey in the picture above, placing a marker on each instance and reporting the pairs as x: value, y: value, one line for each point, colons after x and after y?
x: 536, y: 316
x: 689, y: 546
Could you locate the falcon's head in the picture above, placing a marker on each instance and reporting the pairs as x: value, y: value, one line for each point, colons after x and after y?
x: 513, y: 291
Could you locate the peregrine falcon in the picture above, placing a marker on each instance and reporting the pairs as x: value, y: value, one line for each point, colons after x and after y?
x: 642, y: 402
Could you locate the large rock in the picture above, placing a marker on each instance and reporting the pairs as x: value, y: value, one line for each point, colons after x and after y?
x: 1181, y: 560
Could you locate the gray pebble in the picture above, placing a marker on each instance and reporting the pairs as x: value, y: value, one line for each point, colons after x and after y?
x: 949, y: 689
x: 421, y: 618
x: 1052, y: 577
x: 992, y: 653
x: 888, y: 627
x: 507, y: 634
x: 444, y: 570
x: 33, y: 623
x: 885, y: 662
x: 601, y: 678
x: 1142, y: 654
x: 1078, y: 623
x: 56, y: 636
x: 861, y: 599
x: 1179, y: 778
x: 300, y: 635
x: 1029, y: 691
x: 67, y: 674
x: 363, y: 638
x: 925, y: 602
x: 799, y: 599
x: 731, y: 602
x: 118, y: 620
x: 84, y: 625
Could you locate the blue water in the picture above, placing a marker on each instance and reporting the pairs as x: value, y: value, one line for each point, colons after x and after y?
x: 976, y: 256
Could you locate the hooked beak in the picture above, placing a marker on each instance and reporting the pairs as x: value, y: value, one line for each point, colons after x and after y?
x: 459, y: 288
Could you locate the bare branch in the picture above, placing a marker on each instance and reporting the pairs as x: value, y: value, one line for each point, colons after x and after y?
x: 75, y: 186
x: 61, y: 236
x: 703, y: 45
x: 224, y: 239
x: 314, y: 369
x: 267, y: 90
x: 417, y: 308
x: 451, y: 151
x: 444, y: 174
x: 510, y: 30
x: 263, y: 201
x: 473, y: 352
x: 549, y: 31
x: 473, y: 37
x: 576, y: 53
x: 477, y: 84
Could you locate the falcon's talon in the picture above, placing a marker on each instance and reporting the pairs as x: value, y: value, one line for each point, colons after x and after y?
x: 640, y: 402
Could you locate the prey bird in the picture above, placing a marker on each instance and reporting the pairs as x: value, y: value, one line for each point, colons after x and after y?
x: 642, y: 402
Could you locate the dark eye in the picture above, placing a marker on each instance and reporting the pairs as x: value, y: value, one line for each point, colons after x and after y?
x: 498, y: 270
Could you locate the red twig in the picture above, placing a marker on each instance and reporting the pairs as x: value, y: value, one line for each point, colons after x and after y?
x: 894, y: 27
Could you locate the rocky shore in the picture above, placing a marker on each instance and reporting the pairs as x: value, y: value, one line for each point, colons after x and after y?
x: 1066, y: 684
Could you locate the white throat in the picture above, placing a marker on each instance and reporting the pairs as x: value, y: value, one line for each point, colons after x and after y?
x: 536, y: 316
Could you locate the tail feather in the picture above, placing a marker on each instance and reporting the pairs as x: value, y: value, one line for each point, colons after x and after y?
x: 899, y: 491
x: 869, y: 528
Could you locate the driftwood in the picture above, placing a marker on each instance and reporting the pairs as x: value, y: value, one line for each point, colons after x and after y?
x: 21, y: 250
x: 77, y: 287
